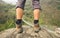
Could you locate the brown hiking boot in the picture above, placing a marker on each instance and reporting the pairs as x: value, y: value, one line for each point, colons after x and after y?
x: 37, y: 28
x: 19, y: 29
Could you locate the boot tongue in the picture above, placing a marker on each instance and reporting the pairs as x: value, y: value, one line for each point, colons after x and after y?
x: 36, y: 25
x: 18, y: 26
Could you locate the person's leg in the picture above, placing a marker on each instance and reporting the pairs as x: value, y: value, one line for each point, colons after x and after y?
x: 36, y: 7
x: 19, y: 14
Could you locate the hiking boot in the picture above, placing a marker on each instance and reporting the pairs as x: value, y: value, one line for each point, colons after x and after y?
x: 37, y: 28
x: 19, y: 29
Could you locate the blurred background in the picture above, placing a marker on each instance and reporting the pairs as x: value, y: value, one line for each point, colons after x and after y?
x: 49, y: 16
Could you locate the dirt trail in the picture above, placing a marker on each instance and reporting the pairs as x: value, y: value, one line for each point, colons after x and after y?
x: 28, y: 33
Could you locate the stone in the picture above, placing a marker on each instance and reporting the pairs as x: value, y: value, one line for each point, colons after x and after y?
x: 27, y: 33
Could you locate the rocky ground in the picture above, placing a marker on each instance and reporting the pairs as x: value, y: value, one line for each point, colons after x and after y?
x: 28, y: 33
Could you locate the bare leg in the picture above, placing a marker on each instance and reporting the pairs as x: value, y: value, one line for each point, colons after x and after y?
x: 36, y: 14
x: 19, y: 15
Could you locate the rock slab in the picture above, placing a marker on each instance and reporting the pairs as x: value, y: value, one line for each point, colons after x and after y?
x: 27, y: 33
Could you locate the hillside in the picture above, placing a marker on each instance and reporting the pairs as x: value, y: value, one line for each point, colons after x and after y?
x: 49, y: 16
x: 49, y: 20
